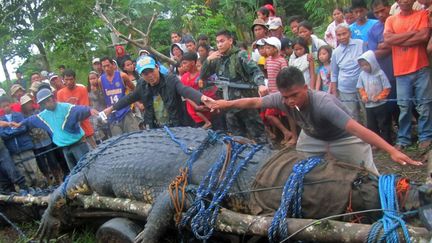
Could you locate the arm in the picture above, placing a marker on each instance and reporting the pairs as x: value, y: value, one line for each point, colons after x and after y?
x: 420, y: 37
x: 253, y: 71
x: 244, y: 103
x: 127, y: 100
x: 393, y: 39
x: 334, y: 70
x: 429, y: 46
x: 127, y: 82
x: 185, y: 91
x: 318, y: 82
x: 370, y: 137
x: 209, y: 65
x: 312, y: 74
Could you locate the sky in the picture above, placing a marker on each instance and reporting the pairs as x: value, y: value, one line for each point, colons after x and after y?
x: 11, y: 66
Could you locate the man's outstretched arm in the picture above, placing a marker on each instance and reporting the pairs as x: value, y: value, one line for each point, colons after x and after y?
x: 372, y: 138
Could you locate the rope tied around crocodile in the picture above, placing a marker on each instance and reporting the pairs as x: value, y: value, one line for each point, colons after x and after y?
x: 214, y: 188
x: 291, y: 199
x: 392, y: 219
x: 176, y: 191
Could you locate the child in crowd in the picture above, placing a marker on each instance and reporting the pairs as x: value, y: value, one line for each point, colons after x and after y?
x: 374, y: 87
x: 300, y: 59
x: 330, y: 34
x: 286, y: 48
x: 324, y: 70
x: 20, y: 145
x: 305, y: 31
x: 97, y: 102
x: 274, y: 63
x: 349, y: 15
x: 199, y: 114
x: 263, y: 55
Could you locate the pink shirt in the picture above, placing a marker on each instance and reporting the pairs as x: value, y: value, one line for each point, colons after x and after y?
x: 274, y: 65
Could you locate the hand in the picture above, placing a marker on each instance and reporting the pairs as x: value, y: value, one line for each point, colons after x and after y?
x: 375, y: 99
x: 108, y: 110
x: 219, y: 105
x: 94, y: 112
x: 365, y: 99
x: 202, y: 108
x: 4, y: 124
x: 263, y: 90
x: 14, y: 124
x: 403, y: 159
x: 140, y: 106
x: 214, y: 55
x: 310, y: 57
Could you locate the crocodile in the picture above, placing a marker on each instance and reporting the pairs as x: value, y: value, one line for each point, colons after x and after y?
x: 141, y: 165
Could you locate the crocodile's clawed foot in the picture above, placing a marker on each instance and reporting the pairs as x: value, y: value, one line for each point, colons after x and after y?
x: 48, y: 228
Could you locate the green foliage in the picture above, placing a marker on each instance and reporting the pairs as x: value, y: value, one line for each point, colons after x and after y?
x: 320, y: 11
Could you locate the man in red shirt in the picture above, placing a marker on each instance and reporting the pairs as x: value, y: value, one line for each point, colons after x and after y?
x: 76, y: 95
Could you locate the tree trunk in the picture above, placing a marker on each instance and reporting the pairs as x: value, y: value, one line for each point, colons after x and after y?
x: 325, y: 231
x: 5, y: 70
x: 42, y: 51
x: 235, y: 223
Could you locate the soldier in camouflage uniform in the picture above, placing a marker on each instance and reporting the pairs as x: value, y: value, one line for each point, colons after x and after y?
x: 231, y: 64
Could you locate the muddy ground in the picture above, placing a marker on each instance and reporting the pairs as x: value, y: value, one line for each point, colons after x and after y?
x: 86, y: 234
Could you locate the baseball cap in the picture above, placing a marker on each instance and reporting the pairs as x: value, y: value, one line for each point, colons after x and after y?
x: 43, y: 94
x: 286, y: 43
x: 25, y: 99
x: 14, y: 88
x: 95, y: 60
x: 52, y: 75
x: 275, y: 23
x: 144, y: 62
x: 259, y: 22
x: 260, y: 42
x: 2, y: 92
x: 273, y: 41
x: 142, y: 51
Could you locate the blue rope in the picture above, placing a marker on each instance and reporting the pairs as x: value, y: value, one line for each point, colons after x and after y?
x: 84, y: 161
x: 202, y: 215
x: 212, y: 137
x: 183, y: 146
x: 290, y: 205
x: 392, y: 218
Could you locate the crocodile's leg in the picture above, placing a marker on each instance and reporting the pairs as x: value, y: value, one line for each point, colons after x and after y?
x: 158, y: 221
x: 57, y: 214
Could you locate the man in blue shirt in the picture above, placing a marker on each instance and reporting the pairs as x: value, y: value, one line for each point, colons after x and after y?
x: 345, y: 69
x: 62, y: 122
x: 362, y: 25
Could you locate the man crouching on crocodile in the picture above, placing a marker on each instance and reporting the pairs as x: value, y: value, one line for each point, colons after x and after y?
x: 326, y: 124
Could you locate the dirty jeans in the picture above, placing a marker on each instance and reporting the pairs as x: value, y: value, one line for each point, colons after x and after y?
x: 26, y: 164
x: 74, y: 152
x: 415, y: 85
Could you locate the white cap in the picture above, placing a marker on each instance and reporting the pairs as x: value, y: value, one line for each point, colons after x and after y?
x: 275, y: 23
x: 273, y: 41
x: 260, y: 42
x: 2, y: 92
x: 97, y: 59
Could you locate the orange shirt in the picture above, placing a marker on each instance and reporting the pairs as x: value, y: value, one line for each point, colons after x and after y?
x: 77, y: 96
x: 408, y: 60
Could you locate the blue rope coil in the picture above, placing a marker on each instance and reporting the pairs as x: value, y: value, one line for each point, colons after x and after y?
x: 211, y: 192
x: 392, y: 219
x: 291, y: 200
x: 182, y: 145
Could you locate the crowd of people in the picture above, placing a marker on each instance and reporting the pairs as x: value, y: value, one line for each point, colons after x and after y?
x: 302, y: 91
